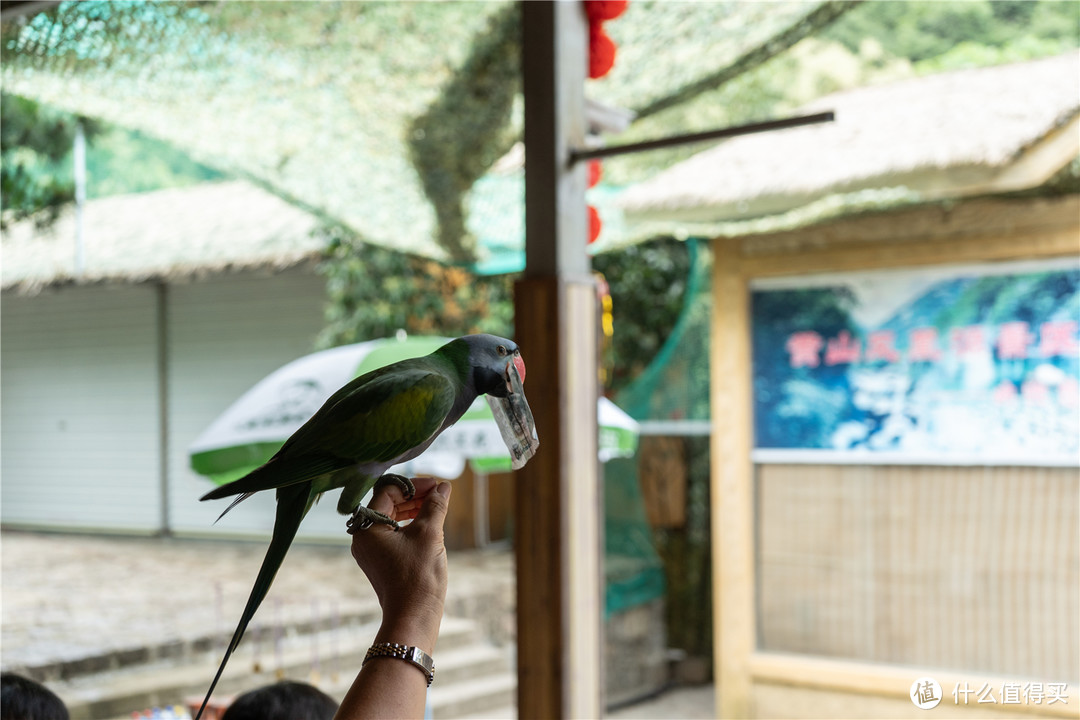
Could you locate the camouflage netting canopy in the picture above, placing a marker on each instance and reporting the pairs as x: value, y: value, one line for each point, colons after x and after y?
x: 386, y: 117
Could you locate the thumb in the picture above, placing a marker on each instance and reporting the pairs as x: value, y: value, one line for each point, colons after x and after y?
x: 433, y: 511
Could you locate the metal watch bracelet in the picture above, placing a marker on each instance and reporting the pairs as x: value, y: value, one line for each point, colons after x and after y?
x: 408, y: 653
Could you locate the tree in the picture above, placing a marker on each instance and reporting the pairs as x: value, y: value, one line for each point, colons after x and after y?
x: 373, y: 292
x: 35, y: 173
x: 930, y: 31
x: 37, y: 168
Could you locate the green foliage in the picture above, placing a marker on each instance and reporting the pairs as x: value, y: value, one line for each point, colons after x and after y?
x: 35, y: 168
x: 974, y: 55
x: 923, y: 31
x: 374, y: 292
x: 119, y: 161
x: 648, y: 288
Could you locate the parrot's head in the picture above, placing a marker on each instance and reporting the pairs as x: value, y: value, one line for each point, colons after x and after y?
x: 498, y: 372
x: 492, y: 358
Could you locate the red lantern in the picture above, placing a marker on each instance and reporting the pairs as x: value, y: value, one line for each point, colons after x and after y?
x: 594, y: 224
x: 600, y: 10
x: 596, y: 171
x: 601, y: 52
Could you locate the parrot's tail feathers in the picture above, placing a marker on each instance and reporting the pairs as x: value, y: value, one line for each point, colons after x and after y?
x: 293, y: 504
x: 279, y: 472
x: 239, y: 499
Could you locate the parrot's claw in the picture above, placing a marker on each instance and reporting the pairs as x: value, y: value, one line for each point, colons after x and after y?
x: 408, y: 490
x: 365, y: 517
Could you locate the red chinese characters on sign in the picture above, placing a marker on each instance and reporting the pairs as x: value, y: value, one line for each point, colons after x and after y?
x: 1035, y: 393
x: 1068, y: 393
x: 923, y: 345
x: 1011, y: 340
x: 967, y: 340
x: 1058, y: 339
x: 1005, y: 393
x: 881, y: 345
x: 842, y: 349
x: 804, y: 348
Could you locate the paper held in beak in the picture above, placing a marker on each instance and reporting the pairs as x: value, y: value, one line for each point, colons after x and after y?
x: 515, y: 420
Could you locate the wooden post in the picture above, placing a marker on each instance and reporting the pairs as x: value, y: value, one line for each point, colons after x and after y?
x: 557, y: 507
x: 731, y: 488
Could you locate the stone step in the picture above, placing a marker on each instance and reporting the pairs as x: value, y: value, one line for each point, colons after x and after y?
x: 480, y: 659
x: 469, y: 698
x: 503, y: 712
x: 182, y: 650
x: 116, y: 693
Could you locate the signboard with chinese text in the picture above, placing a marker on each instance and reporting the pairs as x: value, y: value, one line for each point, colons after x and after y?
x: 956, y: 365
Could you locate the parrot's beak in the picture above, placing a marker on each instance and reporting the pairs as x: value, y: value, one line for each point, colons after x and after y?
x: 513, y: 416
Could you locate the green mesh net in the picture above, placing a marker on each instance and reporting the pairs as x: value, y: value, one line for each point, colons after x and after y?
x: 674, y: 388
x: 670, y: 397
x: 634, y: 573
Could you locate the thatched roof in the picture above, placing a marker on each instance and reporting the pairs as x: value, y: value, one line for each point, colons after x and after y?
x: 955, y: 134
x: 163, y: 234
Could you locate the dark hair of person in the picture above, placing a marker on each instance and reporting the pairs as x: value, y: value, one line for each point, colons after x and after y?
x: 23, y: 699
x: 285, y: 700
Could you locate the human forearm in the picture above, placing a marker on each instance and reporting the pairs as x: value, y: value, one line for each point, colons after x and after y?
x: 388, y: 687
x: 408, y: 571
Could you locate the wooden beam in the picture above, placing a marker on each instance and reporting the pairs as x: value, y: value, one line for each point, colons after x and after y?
x: 1049, y: 243
x: 553, y: 66
x: 851, y: 677
x: 558, y: 504
x: 731, y: 485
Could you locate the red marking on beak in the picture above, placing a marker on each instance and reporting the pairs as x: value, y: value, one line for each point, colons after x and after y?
x: 519, y: 363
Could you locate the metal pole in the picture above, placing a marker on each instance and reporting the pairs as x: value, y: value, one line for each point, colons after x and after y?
x: 748, y: 129
x: 79, y: 153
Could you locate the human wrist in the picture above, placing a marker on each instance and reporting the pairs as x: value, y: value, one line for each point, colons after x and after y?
x: 416, y: 625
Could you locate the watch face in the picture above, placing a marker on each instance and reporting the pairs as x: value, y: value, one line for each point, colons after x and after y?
x: 422, y: 658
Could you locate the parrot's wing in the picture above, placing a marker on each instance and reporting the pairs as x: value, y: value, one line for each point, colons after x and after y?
x: 375, y: 418
x: 380, y: 419
x: 278, y: 472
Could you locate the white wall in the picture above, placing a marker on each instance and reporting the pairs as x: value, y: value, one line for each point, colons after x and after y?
x: 226, y: 334
x: 80, y: 430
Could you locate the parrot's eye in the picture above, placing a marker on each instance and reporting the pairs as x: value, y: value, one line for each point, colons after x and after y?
x: 501, y: 350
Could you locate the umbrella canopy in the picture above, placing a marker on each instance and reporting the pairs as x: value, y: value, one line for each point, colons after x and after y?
x: 252, y: 429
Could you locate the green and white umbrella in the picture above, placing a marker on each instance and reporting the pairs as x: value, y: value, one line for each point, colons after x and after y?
x: 252, y: 429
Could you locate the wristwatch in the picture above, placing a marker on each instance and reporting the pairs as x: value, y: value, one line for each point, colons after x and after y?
x: 408, y: 653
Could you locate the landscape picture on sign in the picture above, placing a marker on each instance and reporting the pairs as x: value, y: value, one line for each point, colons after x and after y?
x: 971, y: 364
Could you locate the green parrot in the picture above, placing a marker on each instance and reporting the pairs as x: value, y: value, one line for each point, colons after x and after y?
x: 382, y: 418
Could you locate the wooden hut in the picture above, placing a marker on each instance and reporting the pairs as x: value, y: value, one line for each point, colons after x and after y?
x: 861, y: 549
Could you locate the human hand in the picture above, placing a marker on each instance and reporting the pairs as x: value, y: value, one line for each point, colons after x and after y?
x: 407, y: 567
